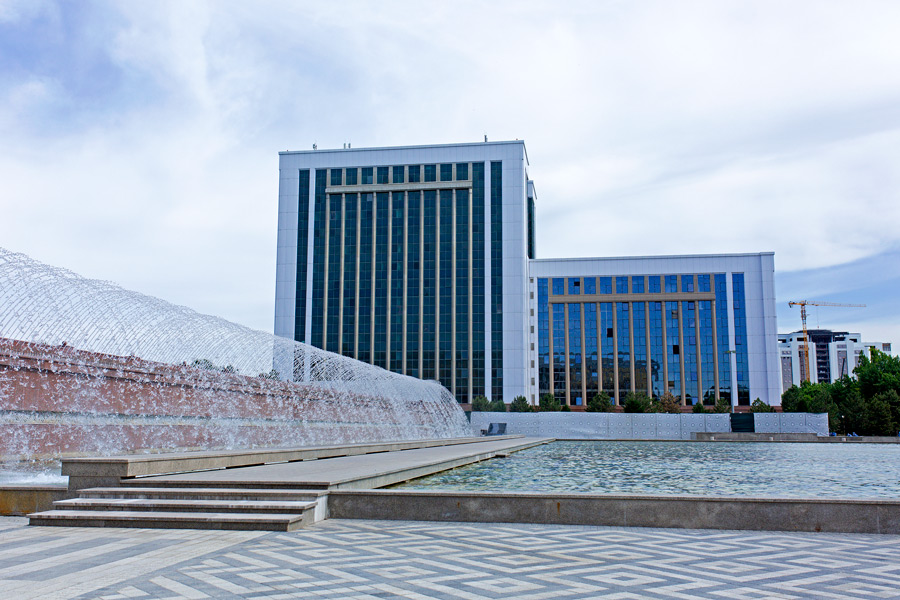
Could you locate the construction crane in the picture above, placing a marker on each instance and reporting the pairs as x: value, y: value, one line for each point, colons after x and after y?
x: 802, y: 304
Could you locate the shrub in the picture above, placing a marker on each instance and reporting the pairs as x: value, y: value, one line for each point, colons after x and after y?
x: 667, y: 403
x: 637, y: 403
x: 699, y: 409
x: 481, y: 404
x: 601, y: 403
x: 723, y: 405
x: 759, y: 406
x: 549, y: 403
x: 519, y: 404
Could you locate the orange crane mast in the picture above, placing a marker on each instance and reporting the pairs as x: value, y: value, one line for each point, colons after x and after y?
x: 802, y: 304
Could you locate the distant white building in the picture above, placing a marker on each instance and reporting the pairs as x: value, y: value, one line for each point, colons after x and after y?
x: 832, y: 355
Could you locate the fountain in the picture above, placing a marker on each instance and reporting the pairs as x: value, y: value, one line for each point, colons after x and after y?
x: 87, y: 368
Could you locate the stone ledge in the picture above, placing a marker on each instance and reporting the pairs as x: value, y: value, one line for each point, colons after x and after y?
x: 106, y: 471
x: 683, y: 512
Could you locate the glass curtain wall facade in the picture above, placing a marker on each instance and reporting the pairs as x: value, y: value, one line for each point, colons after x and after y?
x: 647, y: 334
x: 399, y: 277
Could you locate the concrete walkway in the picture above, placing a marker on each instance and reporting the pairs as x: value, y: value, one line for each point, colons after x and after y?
x: 372, y: 560
x: 360, y: 472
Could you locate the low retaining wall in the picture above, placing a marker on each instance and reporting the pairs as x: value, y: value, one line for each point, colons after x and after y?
x: 603, y: 426
x: 642, y: 426
x: 685, y: 512
x: 816, y: 423
x: 18, y: 500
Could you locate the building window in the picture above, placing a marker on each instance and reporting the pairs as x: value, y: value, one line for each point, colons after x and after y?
x: 590, y: 285
x: 446, y: 172
x: 430, y: 173
x: 336, y: 176
x: 621, y: 285
x: 462, y: 171
x: 574, y: 286
x: 382, y: 175
x: 654, y: 284
x: 637, y: 284
x: 671, y: 284
x: 703, y: 283
x: 559, y: 286
x: 415, y: 172
x: 367, y: 176
x: 687, y: 283
x: 398, y: 175
x: 605, y: 284
x: 351, y: 176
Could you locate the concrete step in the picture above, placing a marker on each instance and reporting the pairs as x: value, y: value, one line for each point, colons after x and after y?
x: 178, y: 505
x: 174, y: 493
x: 172, y: 520
x: 157, y: 482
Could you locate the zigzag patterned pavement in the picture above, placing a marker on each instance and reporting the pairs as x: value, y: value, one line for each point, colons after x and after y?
x: 423, y: 560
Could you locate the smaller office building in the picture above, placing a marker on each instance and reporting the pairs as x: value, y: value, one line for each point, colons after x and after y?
x: 699, y: 327
x: 832, y: 355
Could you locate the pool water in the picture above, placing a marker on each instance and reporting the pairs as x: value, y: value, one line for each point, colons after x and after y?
x: 773, y: 470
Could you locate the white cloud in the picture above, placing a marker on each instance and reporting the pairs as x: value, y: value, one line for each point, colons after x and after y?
x: 652, y: 128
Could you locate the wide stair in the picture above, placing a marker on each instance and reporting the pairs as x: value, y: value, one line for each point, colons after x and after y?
x: 187, y: 508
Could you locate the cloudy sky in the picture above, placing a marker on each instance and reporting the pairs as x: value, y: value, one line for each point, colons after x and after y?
x: 139, y: 140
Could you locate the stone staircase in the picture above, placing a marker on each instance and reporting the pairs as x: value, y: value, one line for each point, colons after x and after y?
x: 175, y: 507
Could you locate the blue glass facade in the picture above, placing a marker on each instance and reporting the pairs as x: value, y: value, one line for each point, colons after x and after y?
x: 543, y: 339
x: 740, y: 340
x: 445, y: 290
x: 302, y: 246
x: 478, y: 282
x: 559, y: 352
x: 575, y: 364
x: 657, y: 352
x: 639, y: 340
x: 379, y: 322
x: 366, y: 253
x: 398, y: 274
x: 413, y: 279
x: 461, y: 322
x: 497, y: 280
x: 722, y: 335
x: 348, y: 327
x: 689, y: 350
x: 319, y: 229
x: 591, y: 357
x: 623, y: 347
x: 429, y: 285
x: 333, y: 283
x: 639, y: 326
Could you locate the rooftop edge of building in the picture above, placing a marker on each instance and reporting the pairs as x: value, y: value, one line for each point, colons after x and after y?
x: 652, y: 257
x: 408, y: 147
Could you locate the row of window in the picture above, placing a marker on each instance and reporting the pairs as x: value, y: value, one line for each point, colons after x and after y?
x: 649, y: 347
x: 633, y: 284
x: 398, y: 174
x: 405, y: 240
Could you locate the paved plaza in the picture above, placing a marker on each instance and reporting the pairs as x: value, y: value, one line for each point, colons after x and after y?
x: 423, y: 560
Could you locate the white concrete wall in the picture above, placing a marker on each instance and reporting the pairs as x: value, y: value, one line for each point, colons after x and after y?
x: 604, y: 426
x: 791, y: 423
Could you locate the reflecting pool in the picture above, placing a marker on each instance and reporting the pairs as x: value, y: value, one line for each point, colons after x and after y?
x: 775, y: 470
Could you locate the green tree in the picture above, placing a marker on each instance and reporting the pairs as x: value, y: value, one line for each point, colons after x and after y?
x: 879, y: 374
x: 667, y: 403
x: 549, y: 403
x: 759, y: 406
x: 519, y: 404
x: 601, y: 403
x: 480, y: 404
x: 637, y: 402
x: 497, y: 405
x: 879, y: 420
x: 723, y: 405
x: 700, y: 409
